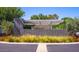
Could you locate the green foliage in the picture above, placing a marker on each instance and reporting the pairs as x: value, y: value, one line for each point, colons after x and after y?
x: 55, y: 16
x: 59, y: 26
x: 6, y: 26
x: 74, y: 25
x: 44, y: 17
x: 41, y: 16
x: 34, y: 17
x: 70, y: 24
x: 64, y: 24
x: 9, y: 13
x: 67, y: 18
x: 50, y: 17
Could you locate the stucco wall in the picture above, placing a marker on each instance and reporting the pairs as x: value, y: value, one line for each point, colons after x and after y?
x: 43, y: 27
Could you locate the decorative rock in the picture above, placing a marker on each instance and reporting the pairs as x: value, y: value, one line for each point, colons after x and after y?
x: 77, y: 33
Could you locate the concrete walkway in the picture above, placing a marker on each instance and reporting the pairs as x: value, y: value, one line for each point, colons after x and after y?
x: 41, y: 47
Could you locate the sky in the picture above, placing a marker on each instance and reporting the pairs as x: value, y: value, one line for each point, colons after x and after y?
x: 60, y: 11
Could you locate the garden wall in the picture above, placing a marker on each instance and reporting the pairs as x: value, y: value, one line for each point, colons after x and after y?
x: 46, y: 32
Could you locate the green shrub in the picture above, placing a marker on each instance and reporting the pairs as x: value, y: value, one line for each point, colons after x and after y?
x: 7, y: 27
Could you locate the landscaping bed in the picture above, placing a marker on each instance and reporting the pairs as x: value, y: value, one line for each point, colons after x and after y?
x: 39, y: 39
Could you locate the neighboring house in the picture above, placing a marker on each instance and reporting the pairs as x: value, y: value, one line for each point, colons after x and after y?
x: 41, y: 24
x: 37, y: 27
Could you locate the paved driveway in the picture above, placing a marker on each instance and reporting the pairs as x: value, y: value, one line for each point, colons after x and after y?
x: 39, y: 47
x: 18, y: 47
x: 63, y: 48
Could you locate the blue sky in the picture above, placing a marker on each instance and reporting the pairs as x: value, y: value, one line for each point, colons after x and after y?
x: 61, y: 11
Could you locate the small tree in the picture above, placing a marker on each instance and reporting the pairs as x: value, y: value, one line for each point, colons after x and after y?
x: 34, y: 17
x: 9, y: 13
x: 55, y: 16
x: 50, y: 17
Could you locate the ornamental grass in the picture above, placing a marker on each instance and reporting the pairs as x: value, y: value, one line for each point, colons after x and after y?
x: 38, y: 39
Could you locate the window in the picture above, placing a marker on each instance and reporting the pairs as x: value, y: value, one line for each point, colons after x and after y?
x: 27, y: 26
